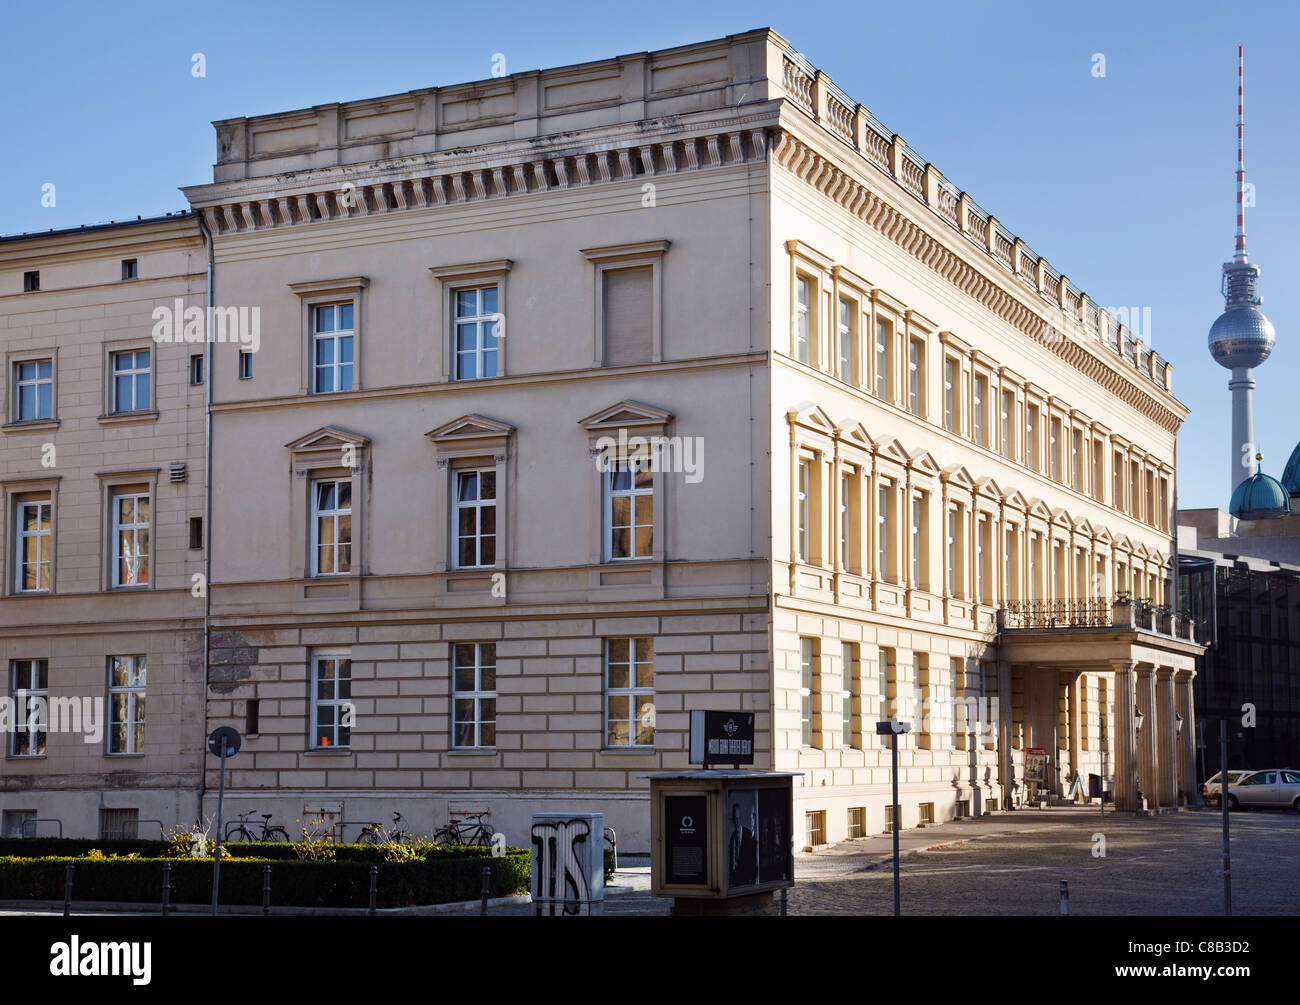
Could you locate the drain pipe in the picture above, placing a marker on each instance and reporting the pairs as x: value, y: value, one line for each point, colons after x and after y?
x: 207, y: 508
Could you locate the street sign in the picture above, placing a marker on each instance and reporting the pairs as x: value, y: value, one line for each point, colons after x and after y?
x: 227, y: 737
x: 721, y: 738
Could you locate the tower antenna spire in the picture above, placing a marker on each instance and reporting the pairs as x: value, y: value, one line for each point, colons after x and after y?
x: 1239, y: 256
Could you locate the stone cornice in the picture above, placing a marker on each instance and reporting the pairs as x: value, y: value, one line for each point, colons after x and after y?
x: 797, y: 156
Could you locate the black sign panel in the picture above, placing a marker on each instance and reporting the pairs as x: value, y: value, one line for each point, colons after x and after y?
x: 722, y: 737
x: 686, y: 840
x: 758, y: 837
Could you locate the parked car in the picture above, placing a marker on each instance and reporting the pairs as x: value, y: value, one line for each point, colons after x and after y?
x: 1277, y: 788
x: 1210, y: 789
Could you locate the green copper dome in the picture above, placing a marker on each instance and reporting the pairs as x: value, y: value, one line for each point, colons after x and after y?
x: 1259, y: 497
x: 1291, y: 473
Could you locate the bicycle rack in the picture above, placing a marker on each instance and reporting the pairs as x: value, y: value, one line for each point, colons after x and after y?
x: 611, y: 836
x: 41, y: 820
x: 162, y: 832
x: 338, y: 826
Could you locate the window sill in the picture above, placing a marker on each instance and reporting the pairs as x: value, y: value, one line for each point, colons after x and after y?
x: 130, y: 588
x: 30, y: 425
x: 328, y: 752
x: 472, y: 752
x: 26, y: 757
x: 629, y: 750
x: 125, y: 418
x: 124, y: 754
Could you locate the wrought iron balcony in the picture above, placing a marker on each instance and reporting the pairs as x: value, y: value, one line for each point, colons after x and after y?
x: 1122, y: 612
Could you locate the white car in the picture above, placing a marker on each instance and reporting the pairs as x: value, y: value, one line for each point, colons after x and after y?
x: 1210, y: 790
x: 1277, y: 788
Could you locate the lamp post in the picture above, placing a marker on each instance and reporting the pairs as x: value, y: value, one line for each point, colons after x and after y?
x: 1138, y: 718
x: 891, y: 728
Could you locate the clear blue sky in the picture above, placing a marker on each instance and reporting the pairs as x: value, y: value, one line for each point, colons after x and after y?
x: 1124, y: 182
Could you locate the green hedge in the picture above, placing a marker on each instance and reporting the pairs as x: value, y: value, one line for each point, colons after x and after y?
x: 40, y: 847
x: 439, y: 879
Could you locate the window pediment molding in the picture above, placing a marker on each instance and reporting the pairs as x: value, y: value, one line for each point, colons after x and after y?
x: 348, y: 286
x: 811, y: 255
x: 615, y: 252
x: 958, y: 477
x: 326, y: 447
x: 923, y: 463
x: 627, y: 414
x: 471, y: 435
x: 990, y: 489
x: 472, y: 270
x: 813, y: 417
x: 1016, y: 500
x: 892, y: 450
x: 918, y: 323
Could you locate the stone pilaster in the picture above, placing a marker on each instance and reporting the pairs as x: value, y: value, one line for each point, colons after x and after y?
x: 1167, y: 754
x: 1147, y: 743
x: 1125, y: 740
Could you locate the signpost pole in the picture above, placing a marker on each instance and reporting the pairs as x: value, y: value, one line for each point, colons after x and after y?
x: 893, y: 745
x: 216, y: 859
x: 1223, y: 805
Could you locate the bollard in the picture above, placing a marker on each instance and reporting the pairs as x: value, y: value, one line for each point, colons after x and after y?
x: 67, y: 890
x: 167, y: 888
x: 783, y: 901
x: 266, y: 890
x: 1065, y: 898
x: 487, y: 890
x: 374, y: 887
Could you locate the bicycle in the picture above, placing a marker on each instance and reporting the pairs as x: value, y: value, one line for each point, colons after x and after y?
x: 463, y: 832
x: 375, y: 833
x: 237, y: 830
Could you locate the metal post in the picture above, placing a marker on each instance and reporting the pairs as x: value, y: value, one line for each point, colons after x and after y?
x: 893, y: 745
x: 216, y: 861
x: 374, y: 887
x: 1223, y: 805
x: 167, y: 888
x: 67, y: 889
x: 486, y: 891
x: 1065, y: 898
x: 784, y: 901
x: 266, y: 890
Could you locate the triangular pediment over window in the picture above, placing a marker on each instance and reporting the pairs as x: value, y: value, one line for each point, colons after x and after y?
x: 472, y: 435
x: 627, y: 415
x: 328, y: 438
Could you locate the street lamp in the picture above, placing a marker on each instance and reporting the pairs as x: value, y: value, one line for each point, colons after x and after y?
x: 891, y: 728
x: 1178, y: 723
x: 1137, y: 777
x: 1138, y: 718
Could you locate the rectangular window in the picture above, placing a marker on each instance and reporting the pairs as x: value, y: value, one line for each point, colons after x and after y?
x: 918, y: 540
x: 804, y: 510
x: 1031, y: 436
x: 252, y: 716
x: 131, y: 511
x: 882, y: 533
x: 977, y: 408
x: 915, y: 375
x: 882, y: 360
x: 806, y: 685
x: 126, y: 692
x: 1008, y: 410
x: 332, y: 348
x: 331, y: 701
x: 119, y: 824
x: 950, y: 395
x: 857, y: 822
x: 848, y: 670
x: 950, y: 705
x: 815, y: 822
x: 629, y: 510
x: 130, y: 270
x: 919, y: 711
x: 476, y: 325
x: 1149, y: 508
x: 846, y: 522
x: 34, y: 390
x: 1076, y: 459
x: 1117, y: 481
x: 1162, y: 513
x: 629, y: 692
x: 802, y: 319
x: 1133, y: 480
x: 196, y: 532
x: 35, y: 546
x: 627, y: 301
x: 196, y: 370
x: 331, y: 527
x: 1054, y: 450
x: 131, y: 381
x: 954, y: 554
x: 1097, y: 456
x: 29, y: 689
x: 245, y: 365
x: 882, y: 682
x: 845, y: 344
x: 476, y: 519
x: 474, y: 697
x: 925, y: 813
x: 981, y: 531
x: 31, y: 282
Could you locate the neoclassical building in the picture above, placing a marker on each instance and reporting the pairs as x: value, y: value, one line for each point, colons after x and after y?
x: 589, y: 396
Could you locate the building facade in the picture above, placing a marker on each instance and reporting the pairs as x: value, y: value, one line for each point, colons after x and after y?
x: 585, y: 397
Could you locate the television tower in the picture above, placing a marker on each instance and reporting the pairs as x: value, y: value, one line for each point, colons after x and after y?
x: 1242, y: 337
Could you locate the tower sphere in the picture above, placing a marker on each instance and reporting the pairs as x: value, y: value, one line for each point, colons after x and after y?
x: 1241, y: 337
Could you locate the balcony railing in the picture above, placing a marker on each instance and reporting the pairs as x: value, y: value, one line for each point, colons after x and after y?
x: 1122, y: 612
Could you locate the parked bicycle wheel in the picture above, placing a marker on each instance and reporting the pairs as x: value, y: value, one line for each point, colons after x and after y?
x: 367, y: 836
x: 239, y: 834
x: 276, y: 834
x: 446, y: 835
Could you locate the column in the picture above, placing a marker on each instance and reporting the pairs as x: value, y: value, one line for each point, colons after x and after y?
x: 1124, y: 740
x: 1168, y: 753
x: 1147, y: 736
x: 1004, y: 732
x: 1187, y: 773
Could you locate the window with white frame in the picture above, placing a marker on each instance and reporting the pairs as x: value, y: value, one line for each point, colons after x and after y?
x: 1031, y: 436
x: 884, y: 671
x: 476, y: 325
x: 1008, y: 410
x: 847, y: 497
x: 1054, y: 449
x: 920, y: 735
x: 950, y: 705
x: 807, y: 653
x: 126, y: 701
x: 848, y: 672
x: 951, y: 397
x: 29, y: 691
x: 333, y: 346
x: 844, y: 355
x: 955, y: 586
x: 34, y: 390
x: 331, y: 701
x: 476, y: 518
x: 130, y: 381
x: 978, y: 404
x: 131, y: 516
x: 802, y: 319
x: 331, y: 527
x: 629, y: 692
x: 981, y: 536
x: 1076, y: 460
x: 474, y: 694
x: 915, y: 376
x: 629, y: 509
x: 1098, y: 458
x: 804, y: 510
x: 882, y: 533
x: 35, y: 546
x: 883, y: 331
x: 918, y: 539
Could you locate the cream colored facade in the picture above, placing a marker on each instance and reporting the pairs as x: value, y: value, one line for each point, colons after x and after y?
x: 88, y: 448
x: 702, y: 244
